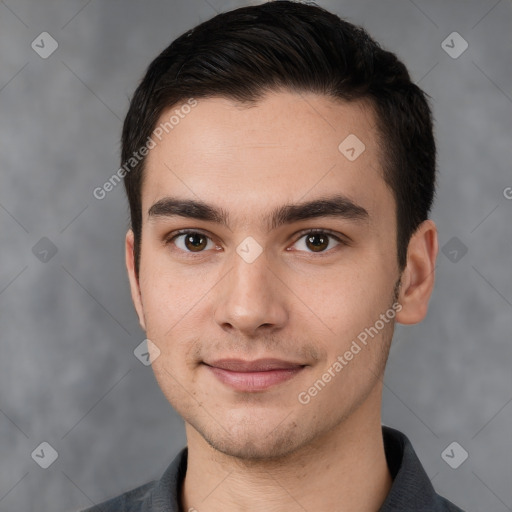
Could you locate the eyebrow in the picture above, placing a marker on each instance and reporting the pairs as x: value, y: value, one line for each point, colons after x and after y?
x: 338, y: 206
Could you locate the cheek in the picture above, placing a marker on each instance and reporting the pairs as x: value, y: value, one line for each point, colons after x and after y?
x: 167, y: 294
x: 351, y: 303
x: 173, y: 301
x: 346, y: 299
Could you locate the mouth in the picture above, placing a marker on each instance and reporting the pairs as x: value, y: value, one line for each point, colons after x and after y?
x: 250, y: 376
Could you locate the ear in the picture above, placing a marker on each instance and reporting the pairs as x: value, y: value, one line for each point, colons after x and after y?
x: 132, y: 276
x: 417, y: 280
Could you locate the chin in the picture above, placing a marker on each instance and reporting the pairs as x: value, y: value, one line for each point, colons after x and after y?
x: 254, y: 439
x: 253, y: 447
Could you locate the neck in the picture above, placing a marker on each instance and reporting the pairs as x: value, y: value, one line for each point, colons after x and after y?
x: 344, y: 470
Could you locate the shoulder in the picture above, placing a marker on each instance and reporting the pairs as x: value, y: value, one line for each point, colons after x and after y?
x: 447, y: 506
x: 130, y: 501
x: 157, y: 495
x: 411, y: 488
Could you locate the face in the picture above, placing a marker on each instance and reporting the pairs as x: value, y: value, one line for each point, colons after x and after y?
x: 253, y: 295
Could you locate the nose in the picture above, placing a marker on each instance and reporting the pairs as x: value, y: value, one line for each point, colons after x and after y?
x: 251, y: 299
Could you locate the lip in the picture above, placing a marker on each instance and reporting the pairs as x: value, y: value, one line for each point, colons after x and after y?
x: 257, y: 375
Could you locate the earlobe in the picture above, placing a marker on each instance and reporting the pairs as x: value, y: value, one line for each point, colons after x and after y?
x: 132, y: 276
x: 418, y: 277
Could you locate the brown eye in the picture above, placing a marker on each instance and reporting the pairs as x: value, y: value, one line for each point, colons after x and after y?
x: 195, y: 242
x: 191, y: 242
x: 317, y: 242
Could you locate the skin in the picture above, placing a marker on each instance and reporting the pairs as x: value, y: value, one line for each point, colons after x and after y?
x: 265, y: 450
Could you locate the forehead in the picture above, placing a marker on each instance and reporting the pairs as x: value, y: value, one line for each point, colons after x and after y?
x: 286, y: 148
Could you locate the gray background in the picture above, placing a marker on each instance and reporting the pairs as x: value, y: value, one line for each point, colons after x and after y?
x: 68, y: 375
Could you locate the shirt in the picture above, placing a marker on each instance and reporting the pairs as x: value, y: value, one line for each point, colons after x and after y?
x: 411, y: 489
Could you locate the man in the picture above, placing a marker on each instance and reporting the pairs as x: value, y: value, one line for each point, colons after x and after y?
x: 280, y: 169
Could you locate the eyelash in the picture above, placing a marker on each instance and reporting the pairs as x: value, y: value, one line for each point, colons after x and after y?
x: 176, y: 234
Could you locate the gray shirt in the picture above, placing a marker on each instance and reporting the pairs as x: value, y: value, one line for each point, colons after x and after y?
x: 411, y: 490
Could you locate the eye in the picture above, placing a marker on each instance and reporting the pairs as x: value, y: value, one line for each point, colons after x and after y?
x: 191, y: 241
x: 317, y: 241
